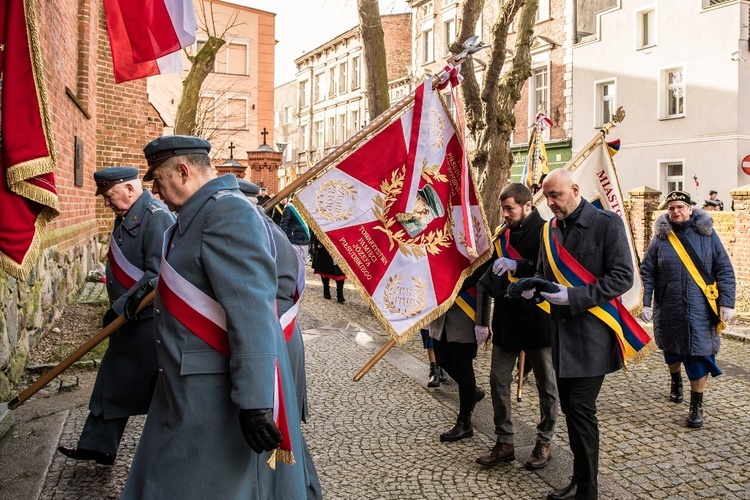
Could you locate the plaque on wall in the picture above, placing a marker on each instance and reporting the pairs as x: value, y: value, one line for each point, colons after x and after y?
x: 78, y: 161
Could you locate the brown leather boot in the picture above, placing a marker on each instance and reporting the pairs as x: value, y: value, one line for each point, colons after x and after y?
x: 540, y: 457
x: 501, y: 452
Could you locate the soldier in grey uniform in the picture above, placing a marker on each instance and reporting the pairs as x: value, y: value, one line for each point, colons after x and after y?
x: 287, y: 270
x: 125, y: 380
x: 220, y: 347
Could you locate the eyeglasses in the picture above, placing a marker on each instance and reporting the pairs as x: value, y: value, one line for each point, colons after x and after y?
x: 677, y: 207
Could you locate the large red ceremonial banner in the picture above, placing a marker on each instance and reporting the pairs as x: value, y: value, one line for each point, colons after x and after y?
x: 409, y: 265
x: 28, y: 198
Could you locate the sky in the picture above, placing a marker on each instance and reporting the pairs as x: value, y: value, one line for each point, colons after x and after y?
x: 302, y: 25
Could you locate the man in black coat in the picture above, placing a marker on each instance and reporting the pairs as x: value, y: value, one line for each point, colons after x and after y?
x: 517, y: 327
x: 584, y: 348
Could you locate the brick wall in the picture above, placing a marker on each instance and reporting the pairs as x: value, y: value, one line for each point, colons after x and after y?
x: 397, y: 37
x: 111, y: 124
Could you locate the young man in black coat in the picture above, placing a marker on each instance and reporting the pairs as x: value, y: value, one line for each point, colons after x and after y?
x: 518, y: 327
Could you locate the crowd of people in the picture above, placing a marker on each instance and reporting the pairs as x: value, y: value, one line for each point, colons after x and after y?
x: 212, y: 352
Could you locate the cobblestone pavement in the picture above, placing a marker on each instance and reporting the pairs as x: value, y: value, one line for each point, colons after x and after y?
x: 378, y: 438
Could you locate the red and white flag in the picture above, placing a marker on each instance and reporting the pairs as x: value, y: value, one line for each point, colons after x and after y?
x: 145, y: 36
x: 28, y: 196
x: 408, y: 262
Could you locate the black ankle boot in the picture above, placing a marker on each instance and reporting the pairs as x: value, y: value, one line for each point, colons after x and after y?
x: 675, y: 390
x: 326, y: 288
x: 434, y: 375
x: 340, y: 292
x: 461, y: 430
x: 695, y: 417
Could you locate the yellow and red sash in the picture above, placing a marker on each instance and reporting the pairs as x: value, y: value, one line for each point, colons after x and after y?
x: 504, y: 248
x: 634, y: 342
x: 124, y: 272
x: 206, y: 319
x: 694, y: 267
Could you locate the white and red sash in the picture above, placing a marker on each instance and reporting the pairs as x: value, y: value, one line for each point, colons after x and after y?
x: 124, y: 272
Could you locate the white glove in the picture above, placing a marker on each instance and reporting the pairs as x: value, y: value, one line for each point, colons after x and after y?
x: 504, y: 264
x: 528, y: 294
x: 646, y: 314
x: 726, y: 313
x: 482, y: 333
x: 559, y: 298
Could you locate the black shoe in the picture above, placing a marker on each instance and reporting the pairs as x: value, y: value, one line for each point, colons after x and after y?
x: 82, y: 454
x: 443, y: 376
x: 695, y: 417
x: 567, y: 493
x: 434, y: 377
x: 675, y: 389
x: 461, y: 430
x: 478, y: 396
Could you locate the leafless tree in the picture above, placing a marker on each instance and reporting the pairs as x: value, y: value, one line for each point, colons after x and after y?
x: 374, y: 56
x: 489, y: 109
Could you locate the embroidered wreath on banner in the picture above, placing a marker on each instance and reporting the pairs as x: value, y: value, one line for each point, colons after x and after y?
x: 431, y: 241
x: 431, y: 174
x: 396, y: 297
x: 477, y: 225
x: 337, y: 190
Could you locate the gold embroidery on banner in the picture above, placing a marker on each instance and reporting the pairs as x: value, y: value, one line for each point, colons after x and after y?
x: 331, y: 201
x: 430, y: 174
x: 436, y: 128
x: 404, y: 299
x: 431, y: 241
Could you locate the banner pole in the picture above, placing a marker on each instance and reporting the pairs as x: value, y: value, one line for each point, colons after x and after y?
x: 382, y: 352
x: 78, y: 354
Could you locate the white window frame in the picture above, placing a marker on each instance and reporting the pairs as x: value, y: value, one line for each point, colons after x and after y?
x: 449, y: 33
x: 645, y: 27
x: 671, y: 89
x: 332, y: 82
x: 605, y: 105
x: 542, y: 12
x: 331, y: 131
x: 342, y: 127
x: 317, y: 91
x: 356, y: 72
x: 428, y: 46
x: 533, y: 94
x: 343, y: 75
x: 288, y: 114
x: 227, y: 116
x: 303, y: 93
x: 318, y: 134
x: 355, y: 123
x: 667, y: 179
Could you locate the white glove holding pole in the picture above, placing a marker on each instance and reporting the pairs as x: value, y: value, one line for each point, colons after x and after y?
x: 726, y: 313
x: 503, y: 264
x: 559, y: 298
x: 646, y: 314
x: 482, y: 333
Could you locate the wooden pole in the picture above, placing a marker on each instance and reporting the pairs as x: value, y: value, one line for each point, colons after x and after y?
x: 521, y: 368
x: 382, y: 352
x: 78, y: 354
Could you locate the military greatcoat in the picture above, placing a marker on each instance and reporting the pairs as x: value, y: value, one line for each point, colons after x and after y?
x: 192, y: 445
x: 125, y: 379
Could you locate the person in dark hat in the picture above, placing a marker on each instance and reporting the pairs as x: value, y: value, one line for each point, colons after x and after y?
x: 287, y: 294
x: 710, y: 205
x: 263, y: 197
x: 712, y: 196
x: 224, y: 368
x: 689, y: 279
x: 124, y: 382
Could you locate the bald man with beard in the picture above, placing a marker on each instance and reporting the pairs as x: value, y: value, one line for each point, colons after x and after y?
x: 584, y: 348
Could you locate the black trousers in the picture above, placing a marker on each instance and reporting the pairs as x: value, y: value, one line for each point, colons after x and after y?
x: 458, y: 360
x: 578, y: 403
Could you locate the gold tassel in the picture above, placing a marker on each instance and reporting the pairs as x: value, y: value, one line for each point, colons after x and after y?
x: 283, y: 456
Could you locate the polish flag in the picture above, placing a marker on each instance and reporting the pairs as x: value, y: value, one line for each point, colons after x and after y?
x: 146, y: 36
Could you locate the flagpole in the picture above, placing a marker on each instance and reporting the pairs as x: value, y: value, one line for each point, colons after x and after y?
x: 78, y: 354
x: 382, y: 352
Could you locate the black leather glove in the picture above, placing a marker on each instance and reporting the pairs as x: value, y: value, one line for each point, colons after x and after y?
x: 109, y: 317
x: 542, y: 285
x: 131, y: 305
x: 260, y: 430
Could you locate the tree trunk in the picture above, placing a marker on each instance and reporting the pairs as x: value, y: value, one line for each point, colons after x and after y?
x: 185, y: 120
x: 374, y: 57
x: 489, y: 114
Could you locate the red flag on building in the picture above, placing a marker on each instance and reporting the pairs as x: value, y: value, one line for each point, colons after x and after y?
x: 409, y: 268
x: 145, y: 36
x: 28, y: 198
